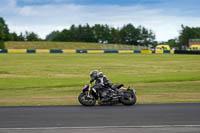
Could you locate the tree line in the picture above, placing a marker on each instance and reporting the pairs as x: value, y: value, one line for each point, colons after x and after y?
x: 128, y: 34
x: 5, y: 35
x: 185, y: 34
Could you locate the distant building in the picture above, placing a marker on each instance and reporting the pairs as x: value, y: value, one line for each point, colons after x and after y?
x: 194, y: 44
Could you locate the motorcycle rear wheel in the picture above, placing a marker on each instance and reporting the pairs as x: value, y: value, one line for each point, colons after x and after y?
x: 85, y: 100
x: 129, y: 98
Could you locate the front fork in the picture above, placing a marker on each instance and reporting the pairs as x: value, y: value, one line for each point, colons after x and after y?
x: 89, y: 90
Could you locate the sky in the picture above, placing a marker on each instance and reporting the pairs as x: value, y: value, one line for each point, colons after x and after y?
x: 163, y: 17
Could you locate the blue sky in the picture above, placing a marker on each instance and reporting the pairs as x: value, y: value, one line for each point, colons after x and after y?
x: 184, y: 6
x: 164, y: 17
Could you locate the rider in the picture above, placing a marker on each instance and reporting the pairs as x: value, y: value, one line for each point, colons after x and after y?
x: 101, y: 81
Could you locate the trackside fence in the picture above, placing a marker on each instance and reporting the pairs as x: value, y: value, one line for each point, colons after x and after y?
x: 186, y: 52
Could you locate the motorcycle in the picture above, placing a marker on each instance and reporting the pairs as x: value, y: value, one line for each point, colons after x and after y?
x: 107, y: 96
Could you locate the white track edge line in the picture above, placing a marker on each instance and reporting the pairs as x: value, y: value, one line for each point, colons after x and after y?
x: 101, y: 127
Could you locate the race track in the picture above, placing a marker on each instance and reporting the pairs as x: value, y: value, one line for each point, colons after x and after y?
x: 100, y: 116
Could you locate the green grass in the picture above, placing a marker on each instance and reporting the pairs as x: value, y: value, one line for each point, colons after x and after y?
x: 66, y: 45
x: 57, y: 79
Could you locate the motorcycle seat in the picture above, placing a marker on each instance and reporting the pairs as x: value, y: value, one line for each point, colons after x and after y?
x: 117, y: 86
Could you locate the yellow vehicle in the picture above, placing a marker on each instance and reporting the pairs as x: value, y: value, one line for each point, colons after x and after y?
x: 161, y: 48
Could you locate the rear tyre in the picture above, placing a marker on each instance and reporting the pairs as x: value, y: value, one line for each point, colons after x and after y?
x: 128, y: 98
x: 85, y: 100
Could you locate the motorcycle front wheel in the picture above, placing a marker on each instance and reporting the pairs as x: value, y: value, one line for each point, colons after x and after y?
x: 87, y: 101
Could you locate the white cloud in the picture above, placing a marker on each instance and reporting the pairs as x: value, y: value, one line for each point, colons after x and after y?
x: 43, y: 19
x: 28, y: 11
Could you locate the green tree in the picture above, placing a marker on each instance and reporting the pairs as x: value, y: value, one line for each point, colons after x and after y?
x: 13, y: 36
x: 173, y: 43
x: 73, y: 33
x: 98, y: 33
x: 4, y: 31
x: 79, y: 33
x: 52, y: 36
x: 188, y: 33
x: 31, y: 36
x: 130, y: 35
x: 87, y: 34
x: 147, y: 37
x: 104, y: 34
x: 64, y: 36
x: 21, y: 37
x: 115, y: 36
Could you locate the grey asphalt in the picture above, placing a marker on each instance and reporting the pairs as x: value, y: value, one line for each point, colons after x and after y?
x: 98, y: 116
x: 107, y: 130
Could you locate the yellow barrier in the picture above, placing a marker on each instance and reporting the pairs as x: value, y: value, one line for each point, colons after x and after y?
x: 146, y: 51
x: 42, y: 51
x: 95, y: 51
x: 16, y: 51
x: 125, y: 51
x: 159, y: 51
x: 69, y: 51
x: 171, y: 51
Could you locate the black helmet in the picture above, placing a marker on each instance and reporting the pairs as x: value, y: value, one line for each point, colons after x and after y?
x: 94, y: 74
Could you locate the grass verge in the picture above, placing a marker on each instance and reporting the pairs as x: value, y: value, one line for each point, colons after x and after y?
x: 57, y: 79
x: 66, y: 45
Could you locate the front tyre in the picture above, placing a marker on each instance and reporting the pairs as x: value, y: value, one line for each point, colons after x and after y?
x: 128, y: 98
x: 85, y: 100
